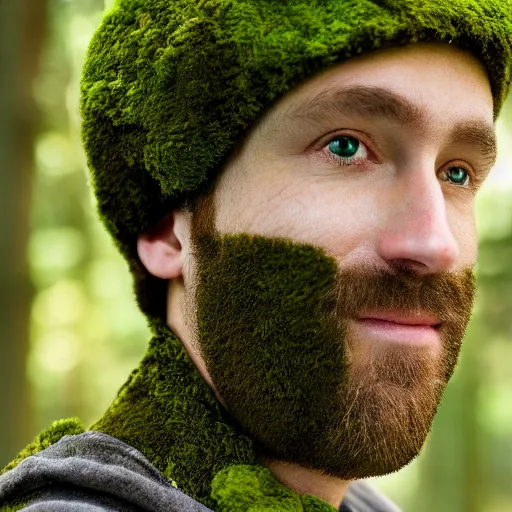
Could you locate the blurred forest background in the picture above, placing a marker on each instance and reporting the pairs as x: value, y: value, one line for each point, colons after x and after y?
x: 70, y: 332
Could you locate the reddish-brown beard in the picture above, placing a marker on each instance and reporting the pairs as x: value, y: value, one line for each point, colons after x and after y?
x: 387, y: 406
x: 393, y: 390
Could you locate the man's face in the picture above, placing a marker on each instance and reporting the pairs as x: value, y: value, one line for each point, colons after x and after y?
x: 346, y: 202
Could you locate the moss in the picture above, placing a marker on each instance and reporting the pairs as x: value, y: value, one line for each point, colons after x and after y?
x: 167, y: 411
x: 168, y: 88
x: 49, y: 436
x: 275, y: 354
x: 254, y: 489
x: 13, y: 507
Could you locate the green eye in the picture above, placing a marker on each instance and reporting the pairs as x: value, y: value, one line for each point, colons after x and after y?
x: 458, y: 175
x: 344, y: 146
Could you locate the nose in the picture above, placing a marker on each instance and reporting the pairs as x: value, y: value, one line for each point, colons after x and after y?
x: 416, y: 227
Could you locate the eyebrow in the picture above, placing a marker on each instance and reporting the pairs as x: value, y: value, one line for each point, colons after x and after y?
x: 381, y: 103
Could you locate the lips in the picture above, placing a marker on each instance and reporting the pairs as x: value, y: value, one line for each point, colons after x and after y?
x: 392, y: 328
x: 422, y: 319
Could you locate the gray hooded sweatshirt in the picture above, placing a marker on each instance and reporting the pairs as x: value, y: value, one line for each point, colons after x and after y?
x: 94, y: 472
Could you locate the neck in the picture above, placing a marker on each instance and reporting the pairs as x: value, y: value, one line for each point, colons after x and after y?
x: 308, y: 481
x: 168, y: 412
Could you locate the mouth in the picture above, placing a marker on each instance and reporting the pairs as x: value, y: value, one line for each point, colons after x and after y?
x: 393, y: 327
x: 420, y: 319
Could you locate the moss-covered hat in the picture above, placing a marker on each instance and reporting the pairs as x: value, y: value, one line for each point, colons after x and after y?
x: 170, y: 86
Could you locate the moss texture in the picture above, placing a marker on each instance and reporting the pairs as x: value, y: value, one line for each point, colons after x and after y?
x: 13, y: 507
x: 266, y: 331
x: 168, y: 412
x: 169, y: 87
x: 254, y: 489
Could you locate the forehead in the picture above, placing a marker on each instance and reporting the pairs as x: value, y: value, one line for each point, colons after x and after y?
x: 432, y: 88
x: 418, y: 71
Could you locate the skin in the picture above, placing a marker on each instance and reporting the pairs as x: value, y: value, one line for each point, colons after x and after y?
x: 282, y: 184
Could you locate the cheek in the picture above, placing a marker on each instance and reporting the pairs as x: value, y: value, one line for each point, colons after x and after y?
x: 340, y: 223
x: 261, y: 203
x: 327, y: 216
x: 468, y: 243
x: 462, y: 223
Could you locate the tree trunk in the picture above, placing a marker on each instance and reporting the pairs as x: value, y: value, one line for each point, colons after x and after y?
x: 22, y: 24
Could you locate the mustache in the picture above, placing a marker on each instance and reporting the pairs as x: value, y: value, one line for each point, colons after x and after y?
x: 449, y: 296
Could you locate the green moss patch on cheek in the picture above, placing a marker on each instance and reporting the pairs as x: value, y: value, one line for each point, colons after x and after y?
x: 267, y: 337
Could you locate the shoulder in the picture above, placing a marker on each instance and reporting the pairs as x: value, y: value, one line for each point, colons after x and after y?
x: 49, y: 436
x: 90, y: 471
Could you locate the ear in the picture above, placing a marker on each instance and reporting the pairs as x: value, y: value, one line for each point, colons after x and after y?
x: 163, y: 247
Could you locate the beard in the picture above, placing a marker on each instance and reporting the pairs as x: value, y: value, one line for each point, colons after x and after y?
x: 273, y: 323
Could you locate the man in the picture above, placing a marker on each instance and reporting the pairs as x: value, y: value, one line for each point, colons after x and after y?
x: 299, y: 220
